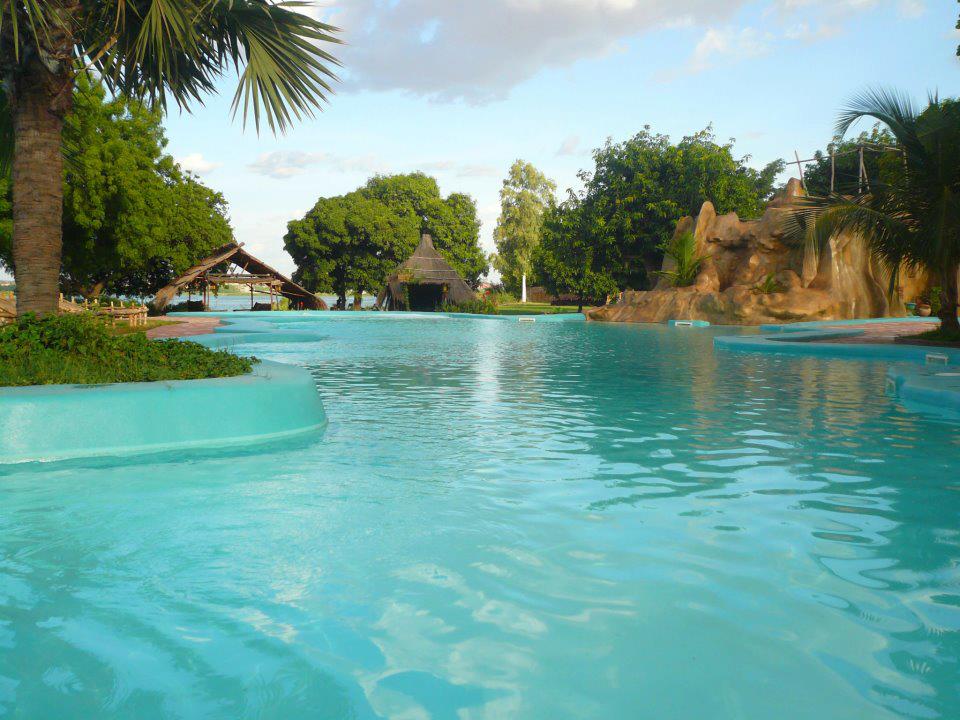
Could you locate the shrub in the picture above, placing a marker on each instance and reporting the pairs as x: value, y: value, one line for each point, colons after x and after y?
x: 768, y: 286
x: 80, y: 349
x: 480, y: 306
x: 182, y: 306
x: 682, y: 249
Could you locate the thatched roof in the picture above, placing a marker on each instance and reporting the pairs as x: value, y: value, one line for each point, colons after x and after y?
x: 234, y: 253
x: 426, y: 267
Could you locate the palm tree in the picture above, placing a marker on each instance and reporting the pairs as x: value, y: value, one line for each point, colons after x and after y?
x: 155, y: 50
x: 910, y: 215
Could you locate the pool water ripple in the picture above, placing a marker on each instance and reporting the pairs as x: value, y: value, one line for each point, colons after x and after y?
x: 505, y: 520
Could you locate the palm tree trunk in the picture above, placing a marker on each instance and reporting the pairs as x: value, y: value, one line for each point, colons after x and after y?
x: 38, y: 189
x: 948, y: 301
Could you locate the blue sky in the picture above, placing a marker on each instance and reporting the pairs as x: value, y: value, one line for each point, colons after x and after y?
x: 460, y: 89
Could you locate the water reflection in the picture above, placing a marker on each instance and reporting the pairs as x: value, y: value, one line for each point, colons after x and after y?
x: 507, y: 521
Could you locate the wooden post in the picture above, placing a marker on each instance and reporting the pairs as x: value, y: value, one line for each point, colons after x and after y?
x: 862, y: 173
x: 833, y: 167
x: 803, y: 182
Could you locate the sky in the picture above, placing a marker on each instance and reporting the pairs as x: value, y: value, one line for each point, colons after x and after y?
x: 461, y: 88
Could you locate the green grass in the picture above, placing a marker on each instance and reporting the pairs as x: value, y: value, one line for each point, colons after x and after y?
x: 534, y: 309
x: 123, y: 328
x: 82, y: 350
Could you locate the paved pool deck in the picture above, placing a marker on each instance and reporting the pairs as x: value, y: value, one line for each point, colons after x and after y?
x: 881, y: 332
x: 186, y: 326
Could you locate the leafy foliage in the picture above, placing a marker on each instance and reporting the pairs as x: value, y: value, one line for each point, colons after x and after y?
x: 569, y: 258
x: 641, y: 187
x: 846, y: 169
x: 482, y: 305
x: 911, y: 215
x: 682, y: 250
x: 768, y: 286
x: 178, y: 49
x: 352, y: 242
x: 80, y: 349
x: 525, y: 196
x: 132, y: 219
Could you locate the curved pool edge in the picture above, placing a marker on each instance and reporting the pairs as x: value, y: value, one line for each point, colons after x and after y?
x: 802, y: 341
x: 50, y: 423
x: 933, y: 389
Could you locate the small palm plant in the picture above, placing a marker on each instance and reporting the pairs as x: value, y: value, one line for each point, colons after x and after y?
x: 910, y: 215
x: 682, y: 249
x: 768, y: 286
x: 157, y: 50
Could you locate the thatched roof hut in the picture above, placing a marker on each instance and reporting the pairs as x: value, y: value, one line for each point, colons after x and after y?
x: 254, y: 272
x: 424, y: 281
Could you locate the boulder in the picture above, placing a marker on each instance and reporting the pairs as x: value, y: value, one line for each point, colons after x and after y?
x: 843, y: 281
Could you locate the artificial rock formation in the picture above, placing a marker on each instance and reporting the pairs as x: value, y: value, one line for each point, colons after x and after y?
x: 844, y: 282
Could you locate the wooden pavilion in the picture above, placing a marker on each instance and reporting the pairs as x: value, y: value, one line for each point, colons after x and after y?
x: 246, y: 270
x: 424, y: 282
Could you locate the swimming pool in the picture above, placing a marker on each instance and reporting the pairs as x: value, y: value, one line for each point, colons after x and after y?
x: 506, y: 520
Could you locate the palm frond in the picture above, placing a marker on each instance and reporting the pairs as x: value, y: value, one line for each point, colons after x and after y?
x: 892, y: 108
x: 178, y: 49
x: 813, y: 221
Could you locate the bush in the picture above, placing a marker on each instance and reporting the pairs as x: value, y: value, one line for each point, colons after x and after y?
x: 80, y: 349
x: 500, y: 297
x: 768, y: 286
x: 682, y: 249
x: 480, y: 306
x: 182, y: 306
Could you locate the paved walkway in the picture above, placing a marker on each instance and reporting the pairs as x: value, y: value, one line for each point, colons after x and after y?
x: 879, y: 333
x: 185, y: 327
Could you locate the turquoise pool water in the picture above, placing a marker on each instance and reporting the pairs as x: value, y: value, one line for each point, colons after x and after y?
x: 506, y: 521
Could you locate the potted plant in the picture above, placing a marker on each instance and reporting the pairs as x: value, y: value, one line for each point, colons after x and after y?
x: 922, y: 308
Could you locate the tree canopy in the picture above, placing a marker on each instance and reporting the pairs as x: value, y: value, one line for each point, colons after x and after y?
x: 612, y: 235
x: 350, y: 243
x: 639, y: 188
x: 132, y: 219
x: 525, y: 196
x: 568, y: 259
x: 846, y: 166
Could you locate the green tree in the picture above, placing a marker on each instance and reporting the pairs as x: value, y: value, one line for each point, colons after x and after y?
x: 525, y: 196
x: 452, y: 221
x: 569, y: 257
x: 352, y: 242
x: 846, y: 165
x: 911, y: 214
x: 131, y: 218
x: 349, y: 243
x: 641, y: 187
x: 174, y: 50
x: 318, y: 245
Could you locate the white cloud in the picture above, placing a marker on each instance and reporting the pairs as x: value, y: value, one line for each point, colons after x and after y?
x: 569, y: 146
x: 197, y: 163
x: 912, y: 8
x: 283, y: 165
x: 802, y: 32
x: 720, y: 45
x: 458, y: 169
x: 478, y: 50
